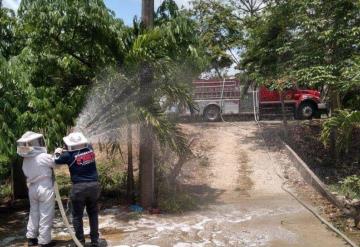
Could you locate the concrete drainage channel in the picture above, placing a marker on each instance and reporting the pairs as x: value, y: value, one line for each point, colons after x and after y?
x: 310, y: 177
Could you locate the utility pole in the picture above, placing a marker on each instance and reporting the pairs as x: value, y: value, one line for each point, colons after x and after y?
x: 146, y: 155
x: 147, y: 15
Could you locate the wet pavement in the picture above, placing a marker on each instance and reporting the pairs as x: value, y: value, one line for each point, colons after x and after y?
x: 250, y: 208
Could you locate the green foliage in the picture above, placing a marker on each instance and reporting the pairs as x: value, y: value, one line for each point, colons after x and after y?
x: 112, y: 180
x: 166, y: 11
x: 50, y: 53
x: 343, y: 124
x: 221, y: 31
x: 350, y: 186
x: 8, y: 41
x: 4, y: 167
x: 177, y: 202
x: 168, y: 57
x: 313, y: 42
x: 5, y: 191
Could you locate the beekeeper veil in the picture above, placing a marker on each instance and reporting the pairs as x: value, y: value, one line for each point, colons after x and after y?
x: 31, y: 144
x: 75, y: 141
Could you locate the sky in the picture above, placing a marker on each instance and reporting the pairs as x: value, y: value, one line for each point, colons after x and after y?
x: 124, y: 9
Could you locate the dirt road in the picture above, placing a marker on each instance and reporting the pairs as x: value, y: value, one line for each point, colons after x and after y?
x: 249, y: 208
x: 245, y: 203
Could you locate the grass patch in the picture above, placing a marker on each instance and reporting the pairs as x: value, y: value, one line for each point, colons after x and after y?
x: 349, y: 187
x: 5, y: 191
x: 112, y: 180
x: 177, y: 202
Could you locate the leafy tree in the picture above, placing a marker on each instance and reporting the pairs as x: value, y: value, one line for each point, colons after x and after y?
x: 8, y: 43
x: 312, y: 42
x: 223, y: 28
x: 64, y: 44
x: 80, y: 36
x: 220, y: 31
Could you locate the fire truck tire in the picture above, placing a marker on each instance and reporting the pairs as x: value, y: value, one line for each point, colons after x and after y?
x: 212, y: 113
x: 306, y: 110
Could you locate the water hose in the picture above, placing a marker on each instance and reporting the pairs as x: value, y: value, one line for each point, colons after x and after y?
x: 284, y: 182
x: 283, y: 187
x: 63, y: 215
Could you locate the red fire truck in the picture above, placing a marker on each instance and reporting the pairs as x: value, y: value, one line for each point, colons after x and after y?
x: 228, y: 97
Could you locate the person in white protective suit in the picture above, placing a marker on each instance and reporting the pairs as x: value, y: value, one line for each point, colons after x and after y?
x: 37, y: 167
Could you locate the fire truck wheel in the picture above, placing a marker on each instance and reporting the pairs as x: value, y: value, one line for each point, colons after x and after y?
x: 306, y: 110
x: 212, y: 113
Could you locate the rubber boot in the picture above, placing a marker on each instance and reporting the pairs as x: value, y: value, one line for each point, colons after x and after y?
x: 51, y: 244
x: 95, y: 243
x: 32, y: 242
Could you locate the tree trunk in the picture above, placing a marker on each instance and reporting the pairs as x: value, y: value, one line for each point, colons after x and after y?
x: 146, y: 166
x: 335, y: 102
x: 146, y: 156
x: 148, y: 13
x: 283, y: 113
x: 130, y: 172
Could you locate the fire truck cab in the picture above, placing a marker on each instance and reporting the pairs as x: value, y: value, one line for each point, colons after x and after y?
x: 302, y: 103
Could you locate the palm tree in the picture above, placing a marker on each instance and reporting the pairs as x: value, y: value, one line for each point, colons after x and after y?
x: 153, y: 72
x: 146, y: 157
x: 147, y: 14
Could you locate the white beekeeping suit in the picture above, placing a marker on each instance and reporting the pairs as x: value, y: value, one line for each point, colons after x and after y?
x: 37, y: 167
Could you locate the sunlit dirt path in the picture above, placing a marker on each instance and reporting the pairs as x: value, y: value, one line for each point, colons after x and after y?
x: 250, y: 208
x: 247, y: 205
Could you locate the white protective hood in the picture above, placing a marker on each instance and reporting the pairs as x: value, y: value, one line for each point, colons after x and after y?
x: 75, y: 141
x: 31, y: 144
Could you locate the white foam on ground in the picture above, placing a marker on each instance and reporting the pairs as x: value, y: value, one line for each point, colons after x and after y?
x: 148, y: 245
x: 189, y: 226
x: 184, y: 244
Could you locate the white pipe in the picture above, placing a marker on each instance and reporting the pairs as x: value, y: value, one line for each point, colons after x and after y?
x: 307, y: 207
x: 333, y: 228
x: 63, y: 215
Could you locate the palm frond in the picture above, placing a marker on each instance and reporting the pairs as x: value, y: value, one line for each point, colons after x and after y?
x: 343, y: 124
x: 166, y: 131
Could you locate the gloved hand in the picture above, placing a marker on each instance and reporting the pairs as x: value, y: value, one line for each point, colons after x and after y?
x: 58, y: 151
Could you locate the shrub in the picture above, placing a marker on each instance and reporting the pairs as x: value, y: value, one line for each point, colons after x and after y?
x: 5, y: 190
x: 342, y: 124
x: 112, y: 180
x: 350, y: 186
x: 4, y: 167
x: 177, y: 202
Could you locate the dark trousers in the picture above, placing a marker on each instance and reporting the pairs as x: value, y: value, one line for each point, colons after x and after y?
x: 85, y: 195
